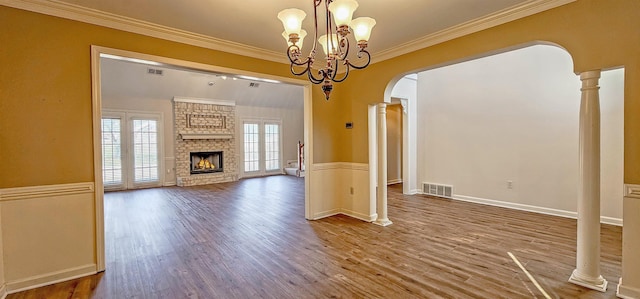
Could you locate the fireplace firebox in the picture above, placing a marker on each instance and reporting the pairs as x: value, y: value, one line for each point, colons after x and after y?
x: 206, y: 162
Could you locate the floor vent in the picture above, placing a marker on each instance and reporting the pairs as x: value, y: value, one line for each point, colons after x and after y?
x: 437, y: 190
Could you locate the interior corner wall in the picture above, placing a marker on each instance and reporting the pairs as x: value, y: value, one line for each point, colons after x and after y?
x: 513, y: 117
x: 406, y: 89
x: 394, y: 143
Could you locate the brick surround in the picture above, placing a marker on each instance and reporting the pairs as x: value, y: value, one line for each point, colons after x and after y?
x: 215, y: 124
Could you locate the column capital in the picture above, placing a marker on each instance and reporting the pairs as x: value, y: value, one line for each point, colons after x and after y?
x: 590, y: 80
x: 592, y: 74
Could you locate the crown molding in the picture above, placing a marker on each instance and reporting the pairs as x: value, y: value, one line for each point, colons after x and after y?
x: 498, y: 18
x: 92, y: 16
x: 105, y: 19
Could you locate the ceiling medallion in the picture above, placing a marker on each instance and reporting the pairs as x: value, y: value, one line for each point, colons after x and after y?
x: 334, y: 43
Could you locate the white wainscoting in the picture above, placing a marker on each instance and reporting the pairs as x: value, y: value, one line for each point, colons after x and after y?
x: 332, y: 185
x: 48, y: 234
x: 629, y: 286
x: 530, y: 208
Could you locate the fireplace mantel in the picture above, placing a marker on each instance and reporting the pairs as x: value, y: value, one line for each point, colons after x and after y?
x: 205, y: 136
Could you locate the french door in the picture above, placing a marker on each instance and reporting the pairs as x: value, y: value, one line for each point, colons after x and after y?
x: 131, y: 150
x: 261, y: 147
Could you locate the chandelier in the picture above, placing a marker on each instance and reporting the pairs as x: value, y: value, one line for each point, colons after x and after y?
x: 334, y: 43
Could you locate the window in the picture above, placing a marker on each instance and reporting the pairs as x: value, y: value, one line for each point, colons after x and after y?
x: 272, y: 146
x: 251, y: 147
x: 111, y: 151
x: 261, y: 147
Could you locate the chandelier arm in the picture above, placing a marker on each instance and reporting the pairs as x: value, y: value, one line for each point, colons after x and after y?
x: 359, y: 56
x: 313, y: 79
x: 346, y: 73
x: 293, y: 52
x: 306, y: 69
x: 344, y: 44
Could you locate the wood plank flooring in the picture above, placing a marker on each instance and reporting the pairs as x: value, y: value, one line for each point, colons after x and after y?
x: 249, y: 239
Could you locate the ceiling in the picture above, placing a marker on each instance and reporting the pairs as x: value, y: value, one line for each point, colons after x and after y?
x: 255, y: 22
x: 121, y: 79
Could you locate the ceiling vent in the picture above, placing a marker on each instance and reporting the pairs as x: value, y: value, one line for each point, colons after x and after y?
x: 158, y: 72
x: 254, y: 84
x: 437, y: 190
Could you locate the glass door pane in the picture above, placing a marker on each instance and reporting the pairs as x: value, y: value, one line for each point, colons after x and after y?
x: 112, y: 152
x: 272, y: 146
x: 251, y: 147
x: 145, y: 151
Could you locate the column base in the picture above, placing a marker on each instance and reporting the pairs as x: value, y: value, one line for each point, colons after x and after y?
x: 598, y: 284
x: 625, y: 292
x: 383, y: 222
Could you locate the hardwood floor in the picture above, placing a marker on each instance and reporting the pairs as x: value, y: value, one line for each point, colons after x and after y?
x: 249, y: 239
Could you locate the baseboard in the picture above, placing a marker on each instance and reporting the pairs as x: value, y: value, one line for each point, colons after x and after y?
x: 49, y: 278
x: 325, y: 214
x: 625, y: 292
x: 354, y: 214
x: 414, y: 192
x: 530, y: 208
x: 346, y: 212
x: 169, y: 184
x: 3, y: 291
x: 395, y: 181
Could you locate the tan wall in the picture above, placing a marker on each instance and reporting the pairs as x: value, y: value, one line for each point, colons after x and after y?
x: 599, y: 34
x: 45, y: 98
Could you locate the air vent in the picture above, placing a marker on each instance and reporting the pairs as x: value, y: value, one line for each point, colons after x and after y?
x: 254, y: 84
x: 158, y: 72
x: 437, y: 190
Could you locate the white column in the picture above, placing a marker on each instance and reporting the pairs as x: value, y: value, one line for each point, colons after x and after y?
x: 381, y: 203
x: 587, y: 272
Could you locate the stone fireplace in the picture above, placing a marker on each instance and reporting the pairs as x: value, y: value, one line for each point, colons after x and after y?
x: 205, y: 141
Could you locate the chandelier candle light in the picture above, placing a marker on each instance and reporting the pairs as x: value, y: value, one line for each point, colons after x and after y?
x: 334, y: 43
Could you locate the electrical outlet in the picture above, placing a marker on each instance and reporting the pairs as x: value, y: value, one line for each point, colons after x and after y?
x: 509, y: 184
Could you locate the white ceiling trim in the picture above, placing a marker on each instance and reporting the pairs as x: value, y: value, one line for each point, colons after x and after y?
x: 501, y: 17
x: 101, y: 18
x: 96, y: 17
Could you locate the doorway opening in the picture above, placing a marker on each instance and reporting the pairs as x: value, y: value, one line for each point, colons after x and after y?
x: 138, y: 138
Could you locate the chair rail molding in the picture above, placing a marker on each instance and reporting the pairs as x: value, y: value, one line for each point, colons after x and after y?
x: 19, y: 193
x: 632, y: 191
